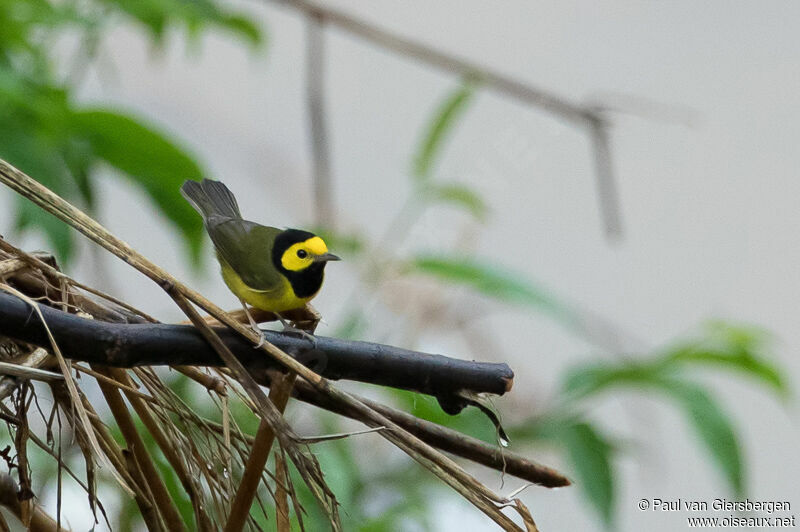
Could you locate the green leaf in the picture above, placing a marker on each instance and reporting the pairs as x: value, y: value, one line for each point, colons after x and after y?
x: 709, y: 421
x: 738, y: 348
x: 491, y: 281
x: 243, y: 26
x: 713, y: 427
x: 458, y: 195
x: 744, y: 362
x: 594, y: 378
x: 150, y: 160
x: 440, y: 125
x: 34, y: 155
x: 158, y: 15
x: 590, y: 456
x: 724, y: 346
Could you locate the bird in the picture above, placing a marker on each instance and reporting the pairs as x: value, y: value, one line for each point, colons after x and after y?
x: 272, y: 269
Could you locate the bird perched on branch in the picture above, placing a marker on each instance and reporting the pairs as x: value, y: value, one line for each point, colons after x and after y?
x: 271, y: 269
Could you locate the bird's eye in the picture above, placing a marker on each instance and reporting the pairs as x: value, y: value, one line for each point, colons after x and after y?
x: 302, y: 253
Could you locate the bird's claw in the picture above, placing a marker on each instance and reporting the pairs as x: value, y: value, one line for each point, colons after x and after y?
x: 301, y: 333
x: 262, y: 338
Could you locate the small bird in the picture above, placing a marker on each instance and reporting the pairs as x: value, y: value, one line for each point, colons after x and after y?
x: 271, y: 269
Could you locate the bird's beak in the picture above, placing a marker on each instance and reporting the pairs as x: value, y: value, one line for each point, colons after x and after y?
x: 325, y: 257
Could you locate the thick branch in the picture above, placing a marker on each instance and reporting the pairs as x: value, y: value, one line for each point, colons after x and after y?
x: 129, y: 345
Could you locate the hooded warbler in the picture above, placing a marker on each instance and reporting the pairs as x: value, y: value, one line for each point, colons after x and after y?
x: 271, y: 269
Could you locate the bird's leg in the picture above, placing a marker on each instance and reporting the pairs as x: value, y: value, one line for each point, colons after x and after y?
x: 254, y: 325
x: 291, y: 329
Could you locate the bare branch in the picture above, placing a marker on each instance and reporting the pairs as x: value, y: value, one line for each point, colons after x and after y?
x: 128, y: 345
x: 38, y: 358
x: 315, y: 101
x: 520, y: 90
x: 606, y: 183
x: 585, y: 115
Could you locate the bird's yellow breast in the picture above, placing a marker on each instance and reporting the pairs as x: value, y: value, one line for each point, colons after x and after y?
x: 277, y: 300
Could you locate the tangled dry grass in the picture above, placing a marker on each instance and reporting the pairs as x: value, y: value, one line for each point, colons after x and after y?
x: 219, y: 466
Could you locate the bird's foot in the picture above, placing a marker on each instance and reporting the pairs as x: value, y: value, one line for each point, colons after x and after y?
x: 262, y: 337
x: 289, y: 329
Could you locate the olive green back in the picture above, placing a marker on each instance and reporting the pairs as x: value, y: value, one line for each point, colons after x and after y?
x: 247, y: 248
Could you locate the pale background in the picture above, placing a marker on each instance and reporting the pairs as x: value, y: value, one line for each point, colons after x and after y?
x: 710, y: 209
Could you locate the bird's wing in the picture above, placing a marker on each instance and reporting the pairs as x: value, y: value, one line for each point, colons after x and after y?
x: 247, y: 248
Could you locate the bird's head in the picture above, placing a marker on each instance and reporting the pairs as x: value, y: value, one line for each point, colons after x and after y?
x: 297, y: 251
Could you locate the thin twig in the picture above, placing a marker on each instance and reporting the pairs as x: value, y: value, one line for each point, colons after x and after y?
x: 279, y: 395
x: 36, y: 359
x: 282, y: 523
x: 606, y: 182
x: 315, y: 102
x: 124, y: 382
x: 161, y: 496
x: 44, y: 447
x: 520, y: 90
x: 269, y: 413
x: 113, y: 382
x: 25, y: 372
x: 212, y: 383
x: 152, y: 518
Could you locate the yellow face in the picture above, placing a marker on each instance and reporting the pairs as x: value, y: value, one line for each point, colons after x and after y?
x: 303, y: 254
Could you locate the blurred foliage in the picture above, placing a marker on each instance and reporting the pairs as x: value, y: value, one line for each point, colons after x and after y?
x: 430, y: 148
x: 492, y: 281
x: 49, y: 134
x: 62, y: 142
x: 587, y: 447
x: 374, y: 496
x: 741, y: 348
x: 442, y: 123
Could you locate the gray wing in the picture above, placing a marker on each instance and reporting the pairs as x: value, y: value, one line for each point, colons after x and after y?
x: 247, y: 248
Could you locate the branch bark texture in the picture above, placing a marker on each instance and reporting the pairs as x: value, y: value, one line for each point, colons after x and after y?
x: 153, y: 344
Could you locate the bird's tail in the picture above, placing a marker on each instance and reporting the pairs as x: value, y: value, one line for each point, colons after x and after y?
x: 211, y: 198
